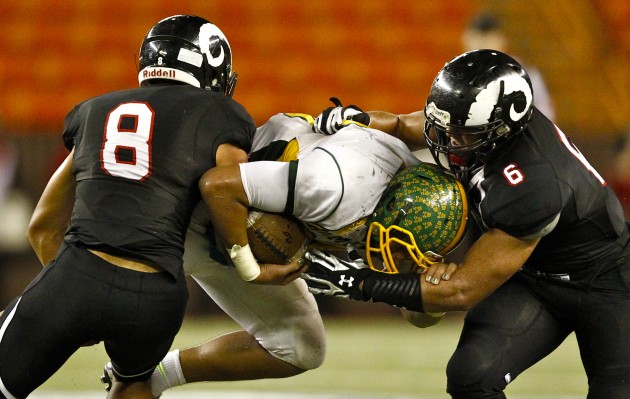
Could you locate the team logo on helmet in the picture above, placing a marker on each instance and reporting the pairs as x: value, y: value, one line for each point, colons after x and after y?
x: 210, y: 43
x: 513, y: 87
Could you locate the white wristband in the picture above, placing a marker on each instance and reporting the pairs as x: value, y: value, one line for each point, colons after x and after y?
x: 245, y: 262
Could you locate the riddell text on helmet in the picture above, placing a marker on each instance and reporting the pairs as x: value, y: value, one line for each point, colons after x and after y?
x: 158, y: 73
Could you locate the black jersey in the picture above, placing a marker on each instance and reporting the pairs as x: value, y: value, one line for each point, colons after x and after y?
x: 540, y: 178
x: 138, y: 155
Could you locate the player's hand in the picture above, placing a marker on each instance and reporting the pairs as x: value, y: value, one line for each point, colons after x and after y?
x: 332, y: 119
x: 329, y: 275
x: 439, y: 271
x: 280, y: 274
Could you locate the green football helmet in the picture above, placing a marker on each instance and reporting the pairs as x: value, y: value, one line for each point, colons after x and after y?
x: 421, y: 216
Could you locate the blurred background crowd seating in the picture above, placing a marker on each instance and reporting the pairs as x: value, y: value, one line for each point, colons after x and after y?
x: 292, y: 56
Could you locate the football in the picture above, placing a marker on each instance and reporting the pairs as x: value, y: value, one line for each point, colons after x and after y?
x: 275, y: 238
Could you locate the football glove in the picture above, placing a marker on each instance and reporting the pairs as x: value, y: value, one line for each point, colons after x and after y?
x: 329, y: 275
x: 332, y: 119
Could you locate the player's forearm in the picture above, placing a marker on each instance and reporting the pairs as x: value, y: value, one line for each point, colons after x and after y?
x: 223, y: 194
x: 406, y: 127
x: 222, y: 191
x: 384, y: 121
x: 411, y: 129
x: 411, y: 291
x: 493, y: 259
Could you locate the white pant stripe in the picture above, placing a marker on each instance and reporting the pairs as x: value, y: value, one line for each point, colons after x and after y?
x: 2, y: 330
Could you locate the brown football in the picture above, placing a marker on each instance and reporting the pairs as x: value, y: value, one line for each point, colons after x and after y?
x: 275, y: 238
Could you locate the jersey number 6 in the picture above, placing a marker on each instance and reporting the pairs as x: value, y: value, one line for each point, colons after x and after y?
x: 127, y: 141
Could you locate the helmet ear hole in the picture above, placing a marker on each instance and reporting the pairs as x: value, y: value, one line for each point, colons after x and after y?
x: 502, y: 130
x: 215, y: 50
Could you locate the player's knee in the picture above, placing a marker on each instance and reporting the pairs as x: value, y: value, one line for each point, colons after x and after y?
x: 303, y: 345
x: 308, y: 359
x: 313, y: 351
x: 472, y: 371
x: 308, y: 351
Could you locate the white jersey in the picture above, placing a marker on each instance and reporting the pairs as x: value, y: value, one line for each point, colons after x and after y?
x: 336, y: 182
x: 285, y: 320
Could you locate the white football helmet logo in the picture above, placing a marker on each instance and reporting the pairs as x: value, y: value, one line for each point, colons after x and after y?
x: 208, y: 34
x: 481, y: 110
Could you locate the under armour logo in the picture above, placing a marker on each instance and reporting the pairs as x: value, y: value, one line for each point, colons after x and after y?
x: 348, y: 281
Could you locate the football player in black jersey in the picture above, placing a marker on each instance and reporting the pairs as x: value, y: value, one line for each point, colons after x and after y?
x: 134, y: 169
x: 554, y: 256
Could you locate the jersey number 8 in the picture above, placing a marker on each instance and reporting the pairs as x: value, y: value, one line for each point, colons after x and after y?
x: 127, y: 142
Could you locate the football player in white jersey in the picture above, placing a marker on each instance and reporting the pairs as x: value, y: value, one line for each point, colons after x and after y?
x: 340, y: 179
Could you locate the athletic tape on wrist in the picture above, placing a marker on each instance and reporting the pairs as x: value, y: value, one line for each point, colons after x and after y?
x: 245, y: 262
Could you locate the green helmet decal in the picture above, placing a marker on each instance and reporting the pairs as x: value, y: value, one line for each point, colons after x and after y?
x: 424, y: 209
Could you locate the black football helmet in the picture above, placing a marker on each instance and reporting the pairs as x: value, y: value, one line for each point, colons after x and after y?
x: 188, y: 49
x: 478, y: 101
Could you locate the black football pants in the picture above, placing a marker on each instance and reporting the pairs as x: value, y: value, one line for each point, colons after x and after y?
x: 527, y: 318
x: 81, y: 299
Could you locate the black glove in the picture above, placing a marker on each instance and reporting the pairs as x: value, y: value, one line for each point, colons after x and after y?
x: 331, y: 120
x: 329, y: 275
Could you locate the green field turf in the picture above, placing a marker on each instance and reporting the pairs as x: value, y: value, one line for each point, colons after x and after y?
x: 382, y: 357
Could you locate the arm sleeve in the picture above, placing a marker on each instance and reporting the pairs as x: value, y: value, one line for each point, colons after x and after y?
x: 316, y: 189
x: 266, y: 184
